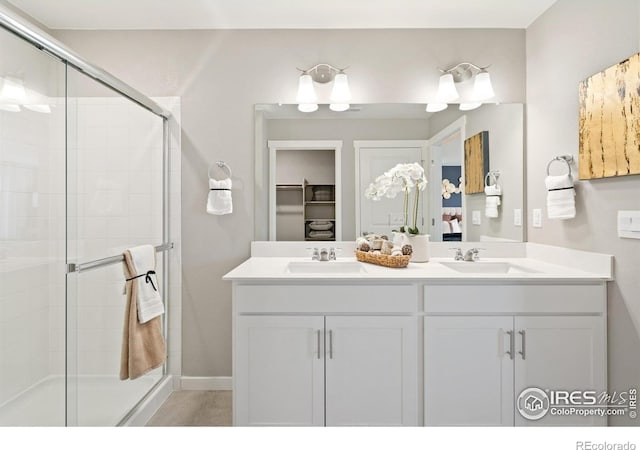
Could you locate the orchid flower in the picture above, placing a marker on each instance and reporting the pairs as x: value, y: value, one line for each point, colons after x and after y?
x: 400, y: 178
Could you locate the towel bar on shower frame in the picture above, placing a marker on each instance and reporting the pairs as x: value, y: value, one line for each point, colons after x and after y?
x: 80, y: 267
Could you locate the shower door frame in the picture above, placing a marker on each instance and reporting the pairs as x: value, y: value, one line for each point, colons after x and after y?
x: 37, y: 37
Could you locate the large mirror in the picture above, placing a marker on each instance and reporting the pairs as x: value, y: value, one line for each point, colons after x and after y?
x: 312, y: 171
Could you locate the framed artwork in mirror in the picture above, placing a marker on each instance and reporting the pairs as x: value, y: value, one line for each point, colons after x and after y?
x: 476, y: 162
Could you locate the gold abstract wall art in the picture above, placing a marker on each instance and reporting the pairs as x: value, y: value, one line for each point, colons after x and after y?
x: 476, y: 162
x: 609, y: 122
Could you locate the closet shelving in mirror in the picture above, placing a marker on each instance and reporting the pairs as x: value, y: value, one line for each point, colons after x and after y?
x: 319, y: 212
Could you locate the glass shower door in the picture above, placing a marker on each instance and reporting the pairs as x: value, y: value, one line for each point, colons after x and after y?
x: 115, y: 189
x: 32, y: 233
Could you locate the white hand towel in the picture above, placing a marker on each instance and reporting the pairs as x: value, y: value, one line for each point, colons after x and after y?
x: 219, y: 201
x: 561, y: 203
x: 491, y: 206
x: 455, y: 226
x: 494, y: 189
x: 149, y: 302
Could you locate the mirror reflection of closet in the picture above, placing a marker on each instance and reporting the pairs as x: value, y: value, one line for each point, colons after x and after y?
x: 305, y: 190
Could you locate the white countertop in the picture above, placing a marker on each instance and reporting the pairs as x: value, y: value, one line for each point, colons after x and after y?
x: 276, y: 269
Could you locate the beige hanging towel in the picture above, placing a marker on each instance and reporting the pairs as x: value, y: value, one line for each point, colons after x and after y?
x: 143, y: 346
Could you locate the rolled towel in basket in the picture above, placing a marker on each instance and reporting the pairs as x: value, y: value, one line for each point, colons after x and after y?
x: 561, y: 203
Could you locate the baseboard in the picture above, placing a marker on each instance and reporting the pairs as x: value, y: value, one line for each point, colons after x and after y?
x: 206, y: 383
x: 148, y: 407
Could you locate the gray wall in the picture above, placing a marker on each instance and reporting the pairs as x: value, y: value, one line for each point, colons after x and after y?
x: 571, y: 41
x: 220, y: 75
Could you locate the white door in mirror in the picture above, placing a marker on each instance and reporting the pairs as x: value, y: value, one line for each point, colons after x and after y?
x: 373, y: 159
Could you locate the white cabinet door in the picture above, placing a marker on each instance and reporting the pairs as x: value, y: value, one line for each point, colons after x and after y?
x: 279, y: 371
x: 560, y: 353
x: 468, y: 371
x: 371, y: 371
x: 374, y: 159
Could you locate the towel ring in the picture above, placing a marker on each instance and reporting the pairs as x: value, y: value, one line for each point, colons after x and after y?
x: 495, y: 174
x: 568, y: 159
x: 222, y: 165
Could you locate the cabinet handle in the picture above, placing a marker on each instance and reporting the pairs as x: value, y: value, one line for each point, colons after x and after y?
x: 318, y: 334
x: 524, y: 344
x: 330, y: 344
x: 512, y: 344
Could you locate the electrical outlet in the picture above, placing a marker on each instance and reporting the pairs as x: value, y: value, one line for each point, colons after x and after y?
x: 476, y: 217
x: 517, y: 217
x: 537, y: 218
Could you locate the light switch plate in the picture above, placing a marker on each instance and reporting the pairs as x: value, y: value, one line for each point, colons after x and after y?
x: 537, y: 218
x: 476, y: 217
x: 629, y: 224
x: 517, y: 217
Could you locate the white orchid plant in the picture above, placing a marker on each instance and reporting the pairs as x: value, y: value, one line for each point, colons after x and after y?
x: 401, y: 178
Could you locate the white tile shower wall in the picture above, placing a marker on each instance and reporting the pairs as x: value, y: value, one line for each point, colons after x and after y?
x: 31, y: 263
x: 119, y: 205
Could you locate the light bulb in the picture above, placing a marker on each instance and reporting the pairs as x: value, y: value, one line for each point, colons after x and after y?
x: 340, y: 94
x: 307, y: 107
x: 306, y: 92
x: 435, y: 107
x: 469, y: 106
x: 447, y: 91
x: 482, y: 89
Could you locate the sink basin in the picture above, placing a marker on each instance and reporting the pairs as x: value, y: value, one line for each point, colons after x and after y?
x: 487, y: 267
x: 325, y: 267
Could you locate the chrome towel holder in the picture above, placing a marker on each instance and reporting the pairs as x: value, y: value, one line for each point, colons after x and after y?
x: 492, y: 174
x: 223, y: 165
x: 568, y: 159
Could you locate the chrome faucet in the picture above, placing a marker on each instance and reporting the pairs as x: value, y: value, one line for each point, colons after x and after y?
x: 472, y: 255
x: 323, y: 254
x: 458, y: 256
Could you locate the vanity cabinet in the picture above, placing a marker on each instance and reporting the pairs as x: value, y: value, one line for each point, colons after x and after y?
x: 325, y: 355
x: 279, y: 371
x: 485, y: 344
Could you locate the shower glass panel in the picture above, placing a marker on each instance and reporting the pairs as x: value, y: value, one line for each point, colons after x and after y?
x: 115, y: 191
x: 32, y: 235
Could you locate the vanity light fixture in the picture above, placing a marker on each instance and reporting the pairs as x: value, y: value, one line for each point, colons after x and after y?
x: 323, y: 73
x: 447, y: 92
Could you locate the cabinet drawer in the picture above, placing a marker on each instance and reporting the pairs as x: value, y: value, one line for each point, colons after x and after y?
x: 323, y: 299
x: 515, y: 299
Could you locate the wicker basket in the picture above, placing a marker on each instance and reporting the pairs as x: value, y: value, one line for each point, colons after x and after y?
x: 395, y: 262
